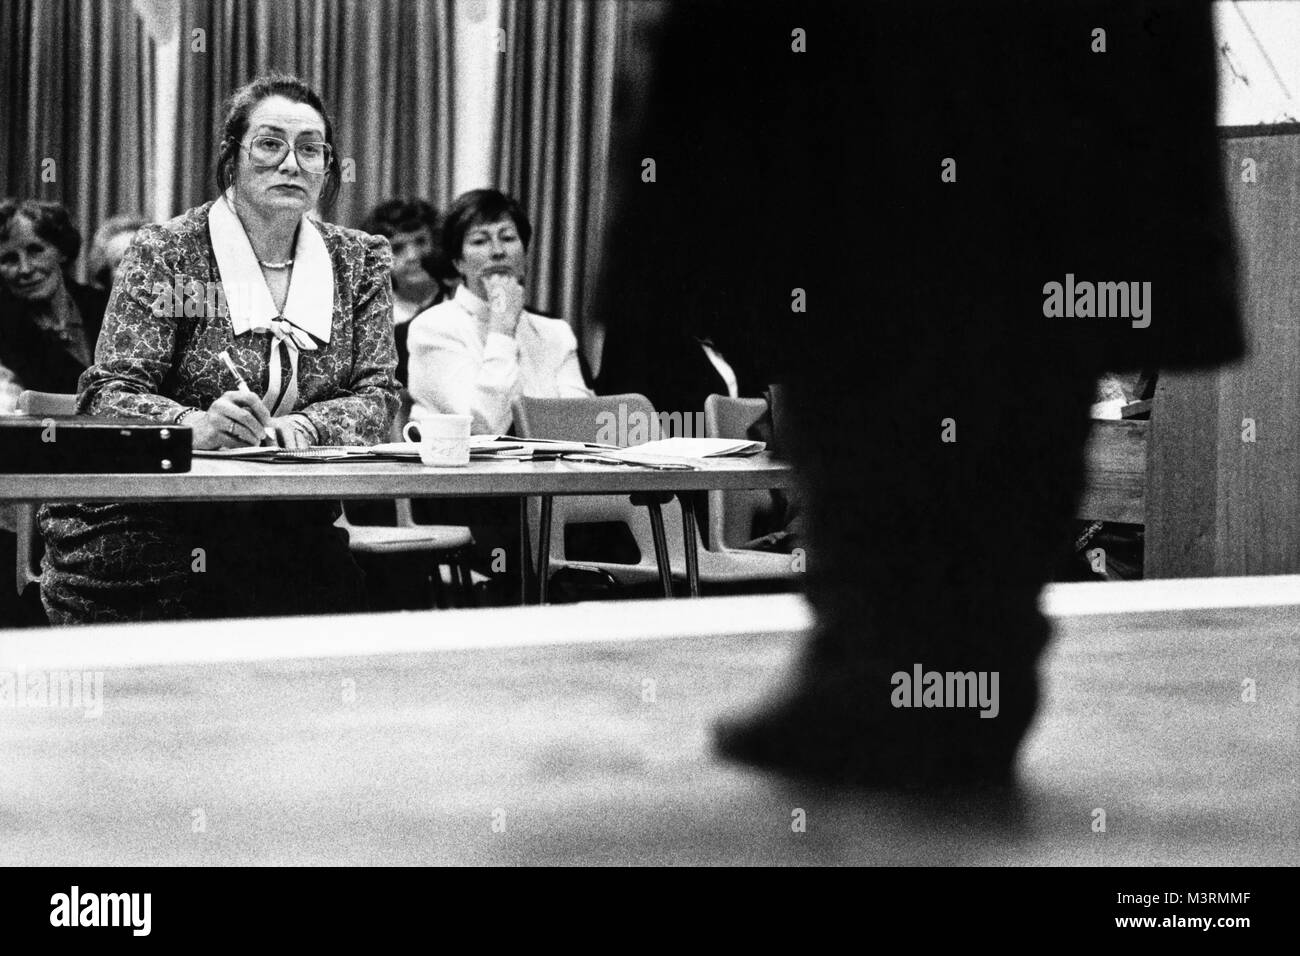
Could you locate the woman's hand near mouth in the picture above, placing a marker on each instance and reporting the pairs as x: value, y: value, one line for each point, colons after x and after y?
x: 505, y: 302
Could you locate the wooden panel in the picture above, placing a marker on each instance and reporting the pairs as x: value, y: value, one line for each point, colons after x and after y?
x: 1218, y: 504
x: 1115, y: 486
x: 1259, y: 482
x: 1182, y: 477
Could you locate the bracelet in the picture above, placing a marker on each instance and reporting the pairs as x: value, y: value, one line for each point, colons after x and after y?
x: 184, y: 414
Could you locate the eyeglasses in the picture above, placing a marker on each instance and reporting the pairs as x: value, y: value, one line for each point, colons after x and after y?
x: 270, y: 151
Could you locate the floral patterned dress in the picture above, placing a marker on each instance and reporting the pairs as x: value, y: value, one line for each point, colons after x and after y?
x: 126, y: 562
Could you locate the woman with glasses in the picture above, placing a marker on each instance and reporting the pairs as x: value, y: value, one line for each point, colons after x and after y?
x: 246, y: 290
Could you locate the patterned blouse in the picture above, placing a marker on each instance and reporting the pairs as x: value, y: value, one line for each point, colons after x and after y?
x: 157, y: 356
x: 151, y: 366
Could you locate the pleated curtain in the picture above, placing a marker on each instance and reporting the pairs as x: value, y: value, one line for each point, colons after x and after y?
x: 551, y: 148
x: 77, y: 77
x: 76, y: 108
x: 383, y: 68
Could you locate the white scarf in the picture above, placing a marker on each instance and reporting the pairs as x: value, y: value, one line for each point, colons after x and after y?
x: 308, y: 311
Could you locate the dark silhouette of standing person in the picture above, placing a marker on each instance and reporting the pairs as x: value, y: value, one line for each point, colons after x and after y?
x: 883, y: 191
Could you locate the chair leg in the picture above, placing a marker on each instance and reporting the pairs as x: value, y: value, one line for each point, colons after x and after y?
x: 459, y: 580
x: 544, y: 550
x: 661, y: 547
x: 525, y: 559
x: 439, y: 592
x: 467, y: 594
x: 692, y: 542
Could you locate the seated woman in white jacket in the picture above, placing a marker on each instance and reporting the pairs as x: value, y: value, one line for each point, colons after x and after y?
x: 477, y: 352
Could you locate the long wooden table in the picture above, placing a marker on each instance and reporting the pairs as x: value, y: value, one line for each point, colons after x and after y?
x: 581, y: 734
x: 213, y: 479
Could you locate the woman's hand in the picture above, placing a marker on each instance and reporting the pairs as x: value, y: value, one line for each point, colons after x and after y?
x: 293, y: 431
x: 235, y: 420
x: 505, y: 303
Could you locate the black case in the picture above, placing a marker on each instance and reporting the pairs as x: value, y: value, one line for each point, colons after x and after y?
x: 56, y: 444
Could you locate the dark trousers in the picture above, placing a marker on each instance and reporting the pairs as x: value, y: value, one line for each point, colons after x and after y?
x: 938, y: 549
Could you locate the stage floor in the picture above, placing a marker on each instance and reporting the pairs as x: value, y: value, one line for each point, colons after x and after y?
x: 581, y: 735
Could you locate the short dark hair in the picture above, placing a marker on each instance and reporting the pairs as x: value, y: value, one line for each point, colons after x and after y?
x: 402, y: 215
x: 410, y: 215
x: 50, y: 221
x: 240, y: 104
x: 479, y: 207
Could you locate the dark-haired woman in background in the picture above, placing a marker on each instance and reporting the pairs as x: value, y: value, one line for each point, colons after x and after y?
x: 476, y: 352
x: 48, y: 323
x: 413, y: 228
x: 306, y: 314
x: 479, y: 351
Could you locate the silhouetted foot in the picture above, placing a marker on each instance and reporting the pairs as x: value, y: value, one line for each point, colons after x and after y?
x: 844, y: 729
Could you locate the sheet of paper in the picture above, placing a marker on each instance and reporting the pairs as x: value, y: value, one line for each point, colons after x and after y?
x: 694, y: 448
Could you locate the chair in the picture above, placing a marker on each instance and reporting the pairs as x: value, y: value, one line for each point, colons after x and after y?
x: 579, y: 419
x: 731, y: 513
x: 442, y: 544
x: 28, y: 567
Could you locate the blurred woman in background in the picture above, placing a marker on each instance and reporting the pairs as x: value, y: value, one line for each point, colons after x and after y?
x: 48, y: 328
x: 48, y: 323
x: 413, y: 228
x: 111, y: 241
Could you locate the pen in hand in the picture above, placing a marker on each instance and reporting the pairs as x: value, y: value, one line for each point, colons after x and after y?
x: 243, y: 387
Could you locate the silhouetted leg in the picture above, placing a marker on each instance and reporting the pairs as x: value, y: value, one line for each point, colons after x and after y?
x: 926, y: 553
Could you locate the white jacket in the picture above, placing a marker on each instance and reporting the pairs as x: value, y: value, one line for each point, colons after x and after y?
x: 458, y: 367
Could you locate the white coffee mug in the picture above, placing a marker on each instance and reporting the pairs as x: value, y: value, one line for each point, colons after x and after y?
x: 444, y: 439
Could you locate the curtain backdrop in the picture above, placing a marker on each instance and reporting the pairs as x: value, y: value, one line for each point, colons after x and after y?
x: 76, y: 87
x: 383, y: 68
x: 555, y: 101
x: 77, y: 84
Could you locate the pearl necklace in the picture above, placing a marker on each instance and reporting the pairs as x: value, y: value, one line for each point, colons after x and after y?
x: 275, y: 265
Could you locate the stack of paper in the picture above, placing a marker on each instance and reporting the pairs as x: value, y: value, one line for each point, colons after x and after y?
x: 487, y: 447
x: 681, y: 451
x: 687, y: 449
